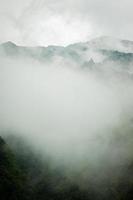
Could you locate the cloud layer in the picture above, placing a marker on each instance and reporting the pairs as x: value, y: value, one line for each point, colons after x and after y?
x: 74, y: 115
x: 43, y: 22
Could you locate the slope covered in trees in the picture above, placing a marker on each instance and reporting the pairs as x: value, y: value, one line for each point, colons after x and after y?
x: 24, y: 175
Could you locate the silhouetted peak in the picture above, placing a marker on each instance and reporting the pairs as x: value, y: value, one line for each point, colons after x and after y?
x: 9, y: 44
x: 91, y: 62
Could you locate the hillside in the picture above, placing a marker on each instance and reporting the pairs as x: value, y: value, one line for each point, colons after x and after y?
x: 66, y: 118
x: 25, y: 176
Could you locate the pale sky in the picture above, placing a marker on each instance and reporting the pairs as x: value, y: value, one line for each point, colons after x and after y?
x: 62, y: 22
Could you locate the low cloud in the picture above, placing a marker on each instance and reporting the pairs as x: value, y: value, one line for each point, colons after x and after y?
x: 77, y: 116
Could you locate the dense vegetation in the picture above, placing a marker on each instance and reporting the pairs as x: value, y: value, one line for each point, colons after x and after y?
x: 13, y: 182
x: 24, y: 176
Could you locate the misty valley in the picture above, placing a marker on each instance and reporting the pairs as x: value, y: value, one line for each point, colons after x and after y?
x: 66, y: 121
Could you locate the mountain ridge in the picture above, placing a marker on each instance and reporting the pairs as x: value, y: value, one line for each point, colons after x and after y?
x: 100, y: 50
x: 102, y: 39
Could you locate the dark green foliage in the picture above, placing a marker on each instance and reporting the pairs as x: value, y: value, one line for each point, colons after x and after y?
x: 25, y: 176
x: 12, y: 179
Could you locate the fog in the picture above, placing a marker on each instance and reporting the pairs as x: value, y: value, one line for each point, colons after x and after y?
x: 77, y: 116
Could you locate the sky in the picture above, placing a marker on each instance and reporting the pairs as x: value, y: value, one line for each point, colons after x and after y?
x: 62, y: 22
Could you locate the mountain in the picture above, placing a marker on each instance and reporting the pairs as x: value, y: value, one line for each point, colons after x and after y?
x: 24, y: 174
x: 101, y: 55
x: 108, y: 43
x: 97, y: 49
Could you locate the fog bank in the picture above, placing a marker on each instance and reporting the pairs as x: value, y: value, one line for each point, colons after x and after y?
x: 78, y: 116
